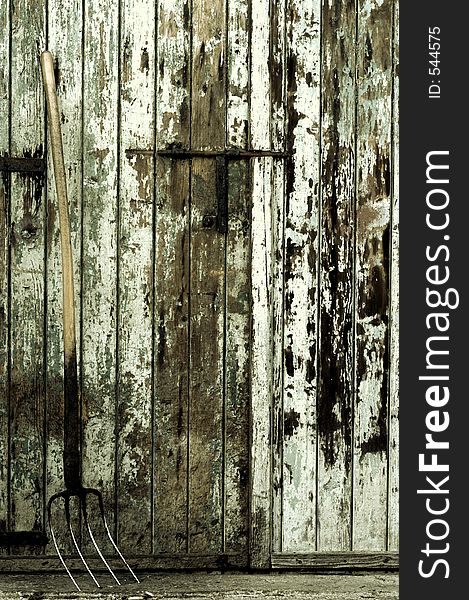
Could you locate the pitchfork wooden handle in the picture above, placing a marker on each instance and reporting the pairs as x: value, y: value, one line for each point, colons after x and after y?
x: 71, y: 404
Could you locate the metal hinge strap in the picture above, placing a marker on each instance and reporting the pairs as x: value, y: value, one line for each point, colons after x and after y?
x: 22, y: 165
x: 229, y: 154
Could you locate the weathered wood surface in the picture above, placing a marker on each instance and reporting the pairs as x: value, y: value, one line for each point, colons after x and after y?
x: 337, y: 283
x: 278, y: 74
x: 237, y: 353
x: 99, y: 250
x: 64, y: 41
x: 355, y: 126
x: 208, y: 74
x: 393, y: 419
x: 372, y: 248
x: 278, y: 91
x: 135, y: 279
x: 259, y: 76
x: 171, y: 316
x: 207, y: 283
x: 300, y: 275
x: 4, y: 268
x: 261, y: 288
x: 171, y: 356
x: 238, y: 97
x: 278, y: 253
x: 336, y: 561
x: 27, y: 220
x: 216, y: 369
x: 261, y: 363
x: 237, y: 285
x: 207, y: 308
x: 169, y: 561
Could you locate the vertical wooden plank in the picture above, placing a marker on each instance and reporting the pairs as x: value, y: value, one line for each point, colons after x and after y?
x: 4, y: 77
x: 171, y: 355
x: 261, y: 286
x: 100, y: 215
x: 237, y: 103
x: 4, y: 287
x: 27, y: 272
x: 260, y: 101
x: 278, y: 114
x: 135, y: 318
x: 65, y: 42
x: 278, y: 222
x: 266, y: 89
x: 173, y: 86
x: 238, y: 282
x: 208, y: 74
x: 207, y: 307
x: 301, y: 251
x: 207, y: 283
x: 277, y: 73
x: 393, y: 458
x: 261, y: 364
x: 237, y: 387
x: 4, y: 261
x: 336, y: 277
x: 374, y: 110
x: 171, y: 252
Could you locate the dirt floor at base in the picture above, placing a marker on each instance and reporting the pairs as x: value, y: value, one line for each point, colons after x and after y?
x: 205, y: 586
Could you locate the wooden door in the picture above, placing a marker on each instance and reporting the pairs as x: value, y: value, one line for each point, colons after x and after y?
x: 334, y: 426
x: 164, y: 292
x: 239, y: 387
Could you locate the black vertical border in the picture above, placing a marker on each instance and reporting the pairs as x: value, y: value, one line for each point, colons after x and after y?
x: 432, y: 124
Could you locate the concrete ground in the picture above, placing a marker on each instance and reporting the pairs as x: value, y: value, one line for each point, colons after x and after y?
x: 205, y: 586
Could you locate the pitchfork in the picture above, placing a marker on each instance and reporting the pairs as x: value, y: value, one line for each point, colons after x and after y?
x: 72, y: 422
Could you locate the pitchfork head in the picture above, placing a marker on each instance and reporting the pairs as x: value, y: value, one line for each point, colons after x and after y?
x: 83, y: 494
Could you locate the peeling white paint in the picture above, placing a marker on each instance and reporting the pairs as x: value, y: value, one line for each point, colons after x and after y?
x: 373, y: 217
x: 301, y: 242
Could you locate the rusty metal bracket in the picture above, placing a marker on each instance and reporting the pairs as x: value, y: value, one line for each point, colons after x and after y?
x: 12, y: 164
x: 22, y: 538
x: 228, y: 153
x: 222, y: 157
x: 222, y: 193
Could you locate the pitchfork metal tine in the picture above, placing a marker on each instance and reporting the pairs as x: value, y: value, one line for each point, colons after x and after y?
x: 103, y: 516
x: 85, y: 516
x: 49, y: 518
x: 67, y: 516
